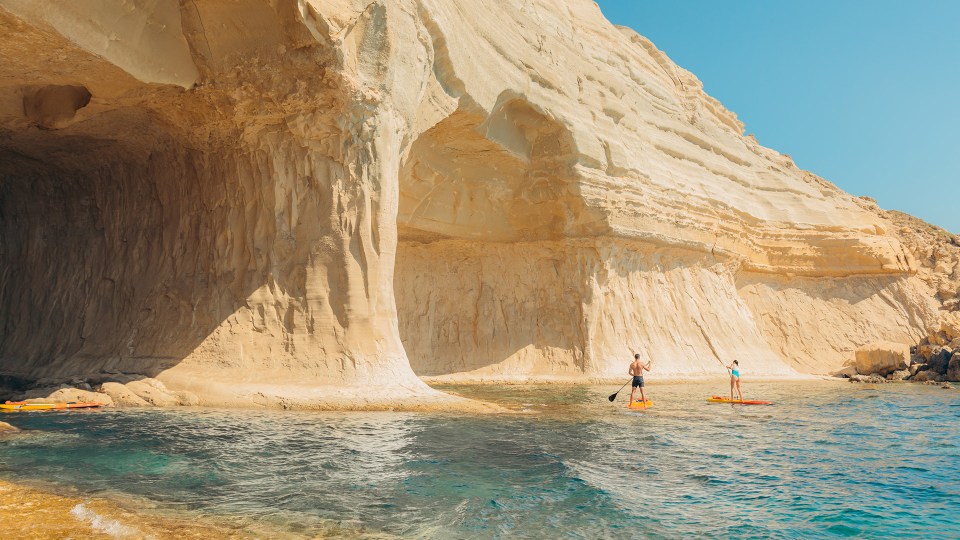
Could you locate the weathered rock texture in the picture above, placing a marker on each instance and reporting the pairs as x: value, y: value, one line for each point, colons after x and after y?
x: 293, y: 202
x: 883, y: 358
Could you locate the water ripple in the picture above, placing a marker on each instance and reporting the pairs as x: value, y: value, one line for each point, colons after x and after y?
x: 827, y: 460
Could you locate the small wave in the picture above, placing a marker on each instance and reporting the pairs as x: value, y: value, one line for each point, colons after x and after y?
x: 103, y: 524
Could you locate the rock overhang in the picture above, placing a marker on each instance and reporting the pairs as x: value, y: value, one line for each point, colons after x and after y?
x: 309, y: 138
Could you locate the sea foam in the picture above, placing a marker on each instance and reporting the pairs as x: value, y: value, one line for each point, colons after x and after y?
x: 103, y: 524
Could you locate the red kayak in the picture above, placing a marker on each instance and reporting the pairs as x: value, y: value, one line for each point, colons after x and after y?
x: 721, y: 399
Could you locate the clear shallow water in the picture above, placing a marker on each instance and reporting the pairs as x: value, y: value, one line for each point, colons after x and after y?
x: 826, y: 460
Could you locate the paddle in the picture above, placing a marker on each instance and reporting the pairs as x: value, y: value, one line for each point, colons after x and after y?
x: 613, y: 396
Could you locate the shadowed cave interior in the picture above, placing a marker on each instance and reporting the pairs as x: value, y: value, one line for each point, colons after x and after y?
x: 125, y: 244
x: 117, y: 243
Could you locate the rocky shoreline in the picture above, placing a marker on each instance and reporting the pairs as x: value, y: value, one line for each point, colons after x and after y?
x: 935, y: 360
x: 147, y: 392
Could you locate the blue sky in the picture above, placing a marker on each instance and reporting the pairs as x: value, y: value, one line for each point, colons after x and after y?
x: 865, y: 93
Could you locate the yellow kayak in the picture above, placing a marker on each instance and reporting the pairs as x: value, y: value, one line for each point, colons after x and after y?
x: 24, y: 406
x: 639, y: 405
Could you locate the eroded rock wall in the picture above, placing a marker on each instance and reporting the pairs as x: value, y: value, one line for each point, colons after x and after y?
x: 234, y: 239
x: 712, y: 245
x: 280, y: 202
x: 573, y: 310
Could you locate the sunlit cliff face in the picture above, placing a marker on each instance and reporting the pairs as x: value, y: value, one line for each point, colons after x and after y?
x: 238, y: 231
x: 261, y: 201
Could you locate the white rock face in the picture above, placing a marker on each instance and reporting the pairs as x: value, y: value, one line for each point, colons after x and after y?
x: 291, y: 203
x: 882, y: 357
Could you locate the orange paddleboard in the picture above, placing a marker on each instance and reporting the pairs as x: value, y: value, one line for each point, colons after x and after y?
x: 721, y: 399
x: 638, y: 405
x: 24, y: 406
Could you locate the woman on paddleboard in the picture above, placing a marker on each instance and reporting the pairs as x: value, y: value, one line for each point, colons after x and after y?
x: 734, y: 370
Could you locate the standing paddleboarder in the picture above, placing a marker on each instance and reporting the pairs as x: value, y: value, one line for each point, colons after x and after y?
x: 734, y: 370
x: 636, y: 369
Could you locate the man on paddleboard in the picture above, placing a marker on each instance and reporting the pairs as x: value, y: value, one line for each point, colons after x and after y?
x: 636, y: 369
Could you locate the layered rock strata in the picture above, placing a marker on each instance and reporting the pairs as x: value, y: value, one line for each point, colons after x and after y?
x: 291, y: 203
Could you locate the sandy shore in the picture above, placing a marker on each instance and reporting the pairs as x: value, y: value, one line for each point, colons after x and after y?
x: 29, y: 512
x: 38, y: 513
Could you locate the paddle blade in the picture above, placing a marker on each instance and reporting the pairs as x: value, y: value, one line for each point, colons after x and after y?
x: 613, y: 396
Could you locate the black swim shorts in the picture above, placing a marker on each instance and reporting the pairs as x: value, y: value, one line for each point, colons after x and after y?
x: 637, y: 381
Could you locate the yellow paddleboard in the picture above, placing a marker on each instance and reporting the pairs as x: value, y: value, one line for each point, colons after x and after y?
x: 638, y: 405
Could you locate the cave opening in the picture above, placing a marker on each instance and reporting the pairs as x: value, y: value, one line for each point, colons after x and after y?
x: 486, y: 282
x: 106, y: 229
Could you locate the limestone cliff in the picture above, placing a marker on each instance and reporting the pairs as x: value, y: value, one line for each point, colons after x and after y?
x: 296, y: 201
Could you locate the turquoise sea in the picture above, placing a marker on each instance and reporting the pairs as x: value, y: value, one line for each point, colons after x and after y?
x: 827, y: 460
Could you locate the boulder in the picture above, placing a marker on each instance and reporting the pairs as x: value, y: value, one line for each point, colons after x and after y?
x: 68, y: 395
x: 122, y: 396
x: 7, y: 428
x: 953, y: 368
x: 153, y: 392
x: 925, y: 350
x: 939, y: 360
x: 187, y: 399
x: 846, y: 372
x: 915, y: 368
x: 950, y: 328
x: 883, y: 357
x: 899, y: 375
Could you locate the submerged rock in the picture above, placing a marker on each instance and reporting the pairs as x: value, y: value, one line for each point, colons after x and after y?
x: 874, y: 378
x: 7, y: 428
